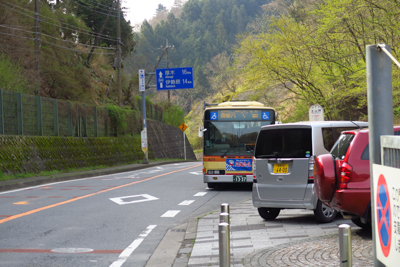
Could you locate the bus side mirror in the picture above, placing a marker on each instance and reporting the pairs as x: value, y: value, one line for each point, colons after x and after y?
x: 201, y: 130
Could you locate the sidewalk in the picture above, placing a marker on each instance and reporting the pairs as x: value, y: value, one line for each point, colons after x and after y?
x: 295, y: 238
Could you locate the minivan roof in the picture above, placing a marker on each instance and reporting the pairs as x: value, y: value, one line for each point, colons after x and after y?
x: 320, y: 123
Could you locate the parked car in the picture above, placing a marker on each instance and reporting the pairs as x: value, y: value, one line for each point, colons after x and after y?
x: 342, y: 177
x: 283, y: 166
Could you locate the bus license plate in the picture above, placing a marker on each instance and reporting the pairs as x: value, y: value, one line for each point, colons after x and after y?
x: 281, y: 168
x: 239, y: 178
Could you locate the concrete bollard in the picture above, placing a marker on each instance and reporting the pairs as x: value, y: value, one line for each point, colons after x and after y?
x: 345, y: 245
x: 225, y: 207
x: 224, y: 245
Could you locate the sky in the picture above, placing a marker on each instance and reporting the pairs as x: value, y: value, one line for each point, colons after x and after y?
x: 140, y: 10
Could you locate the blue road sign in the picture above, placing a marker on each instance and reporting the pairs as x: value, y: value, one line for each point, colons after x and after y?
x: 176, y: 78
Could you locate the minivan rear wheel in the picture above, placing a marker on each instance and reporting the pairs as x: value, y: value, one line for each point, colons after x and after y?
x: 324, y: 214
x: 268, y: 213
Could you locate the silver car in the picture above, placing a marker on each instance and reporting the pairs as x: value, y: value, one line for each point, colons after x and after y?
x: 283, y: 166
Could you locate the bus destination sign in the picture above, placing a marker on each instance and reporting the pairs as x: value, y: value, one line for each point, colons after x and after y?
x: 239, y: 115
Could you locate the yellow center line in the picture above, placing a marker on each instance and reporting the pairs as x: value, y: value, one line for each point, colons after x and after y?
x: 86, y: 196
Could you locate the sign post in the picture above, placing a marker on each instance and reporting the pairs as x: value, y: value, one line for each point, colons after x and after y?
x: 316, y: 113
x: 142, y: 88
x: 183, y: 128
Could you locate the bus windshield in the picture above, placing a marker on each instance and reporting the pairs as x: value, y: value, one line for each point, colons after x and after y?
x: 227, y: 138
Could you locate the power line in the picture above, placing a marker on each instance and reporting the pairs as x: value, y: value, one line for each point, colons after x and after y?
x: 99, y: 47
x: 115, y: 16
x: 76, y: 50
x: 108, y: 9
x: 83, y: 31
x: 17, y: 36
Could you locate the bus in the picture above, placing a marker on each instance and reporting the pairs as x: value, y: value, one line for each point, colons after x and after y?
x: 229, y: 135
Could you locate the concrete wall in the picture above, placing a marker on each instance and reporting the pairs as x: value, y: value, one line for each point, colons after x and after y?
x: 33, y: 154
x: 166, y: 141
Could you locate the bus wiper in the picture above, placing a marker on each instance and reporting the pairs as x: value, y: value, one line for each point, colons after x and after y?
x: 226, y: 152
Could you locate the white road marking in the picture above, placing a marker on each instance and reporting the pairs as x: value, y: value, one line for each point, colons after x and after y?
x: 171, y: 213
x: 144, y: 197
x: 197, y: 173
x: 128, y: 251
x: 200, y: 194
x: 186, y: 202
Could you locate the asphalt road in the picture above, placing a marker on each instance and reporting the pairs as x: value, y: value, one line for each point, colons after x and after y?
x: 112, y: 220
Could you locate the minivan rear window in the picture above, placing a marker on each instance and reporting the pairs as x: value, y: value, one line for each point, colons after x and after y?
x: 284, y: 143
x: 341, y: 146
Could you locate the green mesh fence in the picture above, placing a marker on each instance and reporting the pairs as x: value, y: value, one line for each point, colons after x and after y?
x: 22, y: 114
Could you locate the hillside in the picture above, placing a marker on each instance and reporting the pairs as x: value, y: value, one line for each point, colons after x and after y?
x: 288, y: 54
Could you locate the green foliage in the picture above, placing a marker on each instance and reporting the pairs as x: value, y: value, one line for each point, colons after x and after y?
x: 118, y: 117
x: 11, y: 75
x: 204, y: 30
x: 316, y: 51
x: 174, y: 115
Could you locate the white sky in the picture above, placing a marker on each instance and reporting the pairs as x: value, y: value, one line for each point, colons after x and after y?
x: 140, y: 10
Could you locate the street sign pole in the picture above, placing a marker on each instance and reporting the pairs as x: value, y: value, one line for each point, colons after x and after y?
x: 184, y: 144
x: 380, y: 117
x: 142, y: 88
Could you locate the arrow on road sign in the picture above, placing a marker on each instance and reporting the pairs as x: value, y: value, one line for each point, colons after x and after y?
x: 142, y: 198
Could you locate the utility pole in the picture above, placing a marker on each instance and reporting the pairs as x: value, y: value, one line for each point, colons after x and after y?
x: 97, y: 35
x: 37, y: 52
x: 119, y: 54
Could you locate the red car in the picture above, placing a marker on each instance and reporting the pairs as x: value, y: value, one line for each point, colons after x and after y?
x: 342, y: 178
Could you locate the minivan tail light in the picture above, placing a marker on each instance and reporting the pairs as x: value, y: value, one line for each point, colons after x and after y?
x: 254, y: 170
x: 345, y: 175
x: 311, y: 162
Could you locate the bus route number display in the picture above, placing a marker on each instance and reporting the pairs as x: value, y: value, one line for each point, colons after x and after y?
x: 241, y: 115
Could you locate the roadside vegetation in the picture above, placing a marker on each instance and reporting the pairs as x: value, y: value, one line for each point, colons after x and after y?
x: 287, y: 54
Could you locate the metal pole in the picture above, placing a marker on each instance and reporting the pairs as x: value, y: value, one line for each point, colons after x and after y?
x: 184, y: 143
x: 224, y: 217
x: 345, y: 245
x: 119, y: 54
x: 224, y: 245
x: 225, y: 207
x: 146, y: 154
x: 167, y: 66
x: 380, y: 114
x: 37, y: 44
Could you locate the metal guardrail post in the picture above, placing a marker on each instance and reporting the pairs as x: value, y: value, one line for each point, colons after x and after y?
x: 224, y: 245
x: 345, y: 245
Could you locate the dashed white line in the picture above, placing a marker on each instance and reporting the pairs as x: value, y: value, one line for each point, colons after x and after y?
x: 171, y: 213
x: 186, y: 202
x: 200, y: 194
x: 128, y: 251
